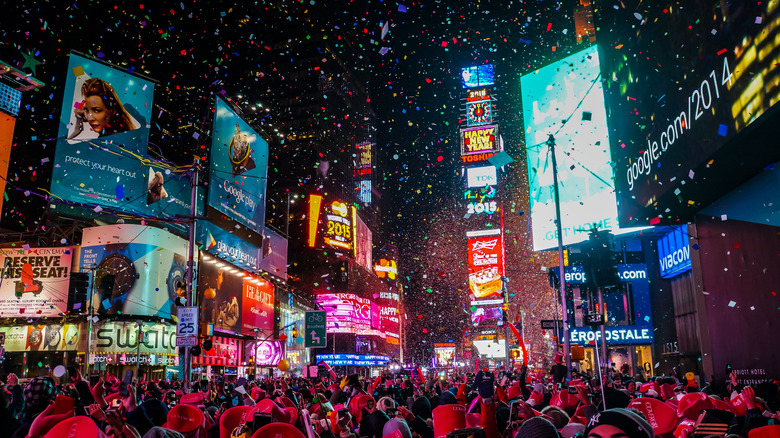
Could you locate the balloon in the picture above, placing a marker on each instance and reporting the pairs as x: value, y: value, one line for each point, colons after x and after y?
x: 59, y: 371
x: 283, y: 365
x: 210, y: 293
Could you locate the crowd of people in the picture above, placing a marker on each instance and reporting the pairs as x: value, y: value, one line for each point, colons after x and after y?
x: 486, y: 404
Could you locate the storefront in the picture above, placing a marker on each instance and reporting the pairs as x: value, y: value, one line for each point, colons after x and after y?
x: 30, y: 350
x: 629, y: 331
x: 114, y: 348
x: 222, y: 359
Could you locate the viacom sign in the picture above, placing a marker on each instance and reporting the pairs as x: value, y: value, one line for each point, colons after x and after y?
x: 674, y: 252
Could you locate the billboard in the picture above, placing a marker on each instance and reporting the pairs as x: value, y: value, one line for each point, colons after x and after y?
x: 274, y: 254
x: 390, y: 321
x: 479, y: 140
x: 359, y: 360
x: 481, y: 176
x: 486, y: 265
x: 477, y: 76
x: 146, y: 262
x: 349, y: 313
x: 7, y: 124
x: 550, y: 95
x: 479, y: 112
x: 238, y: 169
x: 43, y: 337
x: 340, y: 222
x: 34, y: 281
x: 232, y: 299
x: 491, y: 349
x: 684, y: 83
x: 445, y: 354
x: 364, y: 246
x: 486, y: 316
x: 101, y: 157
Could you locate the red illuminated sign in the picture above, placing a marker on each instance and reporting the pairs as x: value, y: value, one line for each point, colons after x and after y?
x: 479, y: 139
x: 486, y: 265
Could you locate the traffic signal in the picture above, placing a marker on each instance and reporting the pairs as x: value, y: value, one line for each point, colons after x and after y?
x: 78, y: 291
x: 600, y: 260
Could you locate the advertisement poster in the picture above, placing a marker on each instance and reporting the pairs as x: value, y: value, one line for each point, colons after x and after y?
x: 258, y: 306
x: 232, y: 299
x: 238, y: 168
x: 47, y: 337
x: 586, y: 187
x: 445, y: 354
x: 101, y: 157
x: 364, y: 247
x: 146, y: 263
x: 34, y: 282
x: 486, y: 265
x: 274, y: 255
x: 224, y: 352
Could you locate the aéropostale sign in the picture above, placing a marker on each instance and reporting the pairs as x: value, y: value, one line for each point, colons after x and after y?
x: 34, y: 281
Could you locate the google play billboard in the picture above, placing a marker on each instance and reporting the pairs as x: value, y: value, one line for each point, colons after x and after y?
x: 568, y: 90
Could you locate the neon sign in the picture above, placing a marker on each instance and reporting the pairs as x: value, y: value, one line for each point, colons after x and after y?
x: 478, y: 139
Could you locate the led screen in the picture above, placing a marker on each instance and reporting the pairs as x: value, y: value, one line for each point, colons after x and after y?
x: 349, y: 313
x: 477, y: 76
x: 569, y: 87
x: 682, y: 81
x: 486, y: 265
x: 34, y: 281
x: 445, y: 354
x: 239, y: 164
x: 486, y: 316
x: 479, y: 140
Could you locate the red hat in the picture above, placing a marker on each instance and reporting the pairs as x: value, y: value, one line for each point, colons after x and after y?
x: 685, y: 425
x: 536, y: 398
x: 193, y: 399
x: 82, y: 427
x: 447, y: 418
x: 278, y: 430
x: 285, y: 402
x: 563, y: 400
x: 691, y: 405
x: 661, y: 416
x: 357, y: 404
x: 722, y: 405
x: 473, y: 420
x: 579, y: 419
x: 185, y: 419
x: 667, y: 391
x: 650, y: 385
x: 738, y: 405
x: 284, y: 415
x: 257, y: 393
x: 513, y: 392
x: 231, y: 418
x: 558, y: 358
x: 771, y: 431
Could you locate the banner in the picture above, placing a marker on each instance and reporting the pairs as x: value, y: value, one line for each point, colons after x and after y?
x: 486, y: 265
x: 52, y: 337
x: 239, y: 164
x: 232, y: 299
x: 147, y: 264
x: 34, y: 282
x: 101, y: 157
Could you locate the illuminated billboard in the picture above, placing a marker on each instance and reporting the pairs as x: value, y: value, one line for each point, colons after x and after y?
x: 479, y: 140
x: 679, y: 138
x: 479, y: 113
x: 34, y: 281
x: 486, y: 316
x: 445, y: 354
x: 481, y: 200
x: 481, y: 176
x: 486, y: 265
x: 238, y: 169
x: 101, y: 157
x: 569, y: 87
x: 232, y: 299
x: 390, y: 322
x: 477, y: 76
x: 146, y: 263
x: 491, y: 349
x: 349, y: 313
x: 355, y: 360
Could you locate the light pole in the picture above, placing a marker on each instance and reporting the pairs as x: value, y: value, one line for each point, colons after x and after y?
x: 562, y: 280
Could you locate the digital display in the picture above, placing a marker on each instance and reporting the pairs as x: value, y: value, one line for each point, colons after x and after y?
x: 238, y: 169
x: 360, y: 360
x: 486, y: 316
x: 486, y: 265
x: 478, y: 113
x: 481, y: 176
x: 682, y: 81
x: 477, y: 76
x: 268, y: 353
x: 147, y: 265
x: 479, y: 140
x: 349, y: 313
x: 340, y: 225
x: 480, y: 201
x: 445, y: 354
x: 491, y: 349
x: 674, y: 252
x: 569, y: 87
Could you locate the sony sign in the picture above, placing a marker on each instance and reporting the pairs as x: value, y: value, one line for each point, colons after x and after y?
x: 674, y: 252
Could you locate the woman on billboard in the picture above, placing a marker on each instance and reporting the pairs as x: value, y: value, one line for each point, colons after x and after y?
x: 102, y: 110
